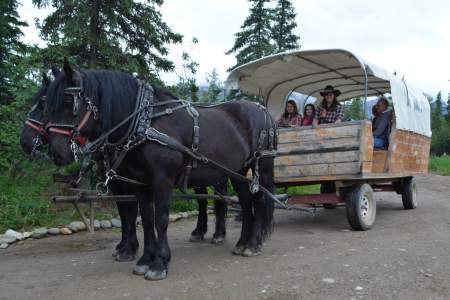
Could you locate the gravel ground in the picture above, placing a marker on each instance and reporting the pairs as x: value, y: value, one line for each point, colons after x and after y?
x: 405, y: 256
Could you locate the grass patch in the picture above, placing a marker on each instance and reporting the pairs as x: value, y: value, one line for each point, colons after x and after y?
x: 24, y: 198
x: 300, y: 190
x: 440, y: 165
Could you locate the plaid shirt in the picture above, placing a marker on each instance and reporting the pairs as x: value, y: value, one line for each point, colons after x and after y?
x: 290, y: 122
x: 331, y: 116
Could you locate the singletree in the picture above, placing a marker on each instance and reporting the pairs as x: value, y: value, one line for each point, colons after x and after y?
x: 254, y: 40
x: 284, y: 25
x: 127, y: 35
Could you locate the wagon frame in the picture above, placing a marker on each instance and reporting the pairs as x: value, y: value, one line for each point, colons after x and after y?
x: 341, y: 156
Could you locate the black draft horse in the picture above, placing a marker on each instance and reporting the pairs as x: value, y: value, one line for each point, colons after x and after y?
x: 34, y: 135
x: 229, y: 134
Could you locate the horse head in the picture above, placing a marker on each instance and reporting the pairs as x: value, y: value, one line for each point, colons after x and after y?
x: 33, y: 134
x: 81, y: 106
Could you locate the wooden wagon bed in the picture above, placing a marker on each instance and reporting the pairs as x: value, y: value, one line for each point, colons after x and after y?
x: 344, y: 151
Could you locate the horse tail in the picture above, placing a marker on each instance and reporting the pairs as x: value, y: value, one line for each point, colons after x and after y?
x: 267, y: 205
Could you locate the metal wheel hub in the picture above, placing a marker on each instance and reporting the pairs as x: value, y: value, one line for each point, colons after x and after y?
x: 365, y: 207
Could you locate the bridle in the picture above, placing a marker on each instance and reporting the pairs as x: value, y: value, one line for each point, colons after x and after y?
x: 73, y: 130
x: 42, y: 136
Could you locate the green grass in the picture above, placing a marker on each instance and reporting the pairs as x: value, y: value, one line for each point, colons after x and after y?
x: 300, y: 190
x: 24, y: 198
x: 440, y: 165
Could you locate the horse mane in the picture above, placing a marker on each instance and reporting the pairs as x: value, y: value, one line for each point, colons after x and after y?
x: 162, y: 94
x: 114, y: 93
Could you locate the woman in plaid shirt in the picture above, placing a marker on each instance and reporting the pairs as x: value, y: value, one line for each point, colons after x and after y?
x: 330, y: 111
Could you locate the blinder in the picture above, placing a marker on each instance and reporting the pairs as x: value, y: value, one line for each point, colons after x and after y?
x: 73, y: 130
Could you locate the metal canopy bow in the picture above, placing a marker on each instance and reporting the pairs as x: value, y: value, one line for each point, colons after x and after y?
x: 307, y: 72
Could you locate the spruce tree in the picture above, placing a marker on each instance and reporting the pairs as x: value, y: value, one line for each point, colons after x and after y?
x: 354, y: 110
x: 436, y: 113
x: 284, y: 25
x: 448, y: 109
x: 254, y: 39
x: 128, y: 35
x: 10, y: 47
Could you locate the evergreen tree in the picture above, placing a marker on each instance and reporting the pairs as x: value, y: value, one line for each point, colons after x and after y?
x: 254, y: 41
x: 448, y: 109
x: 10, y: 47
x: 284, y: 24
x: 354, y: 110
x: 436, y: 113
x: 214, y: 88
x: 128, y: 35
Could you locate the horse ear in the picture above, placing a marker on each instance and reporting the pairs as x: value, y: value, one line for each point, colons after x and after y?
x: 68, y: 71
x: 55, y: 71
x: 45, y: 80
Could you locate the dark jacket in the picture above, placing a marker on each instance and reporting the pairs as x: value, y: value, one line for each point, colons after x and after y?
x: 381, y: 125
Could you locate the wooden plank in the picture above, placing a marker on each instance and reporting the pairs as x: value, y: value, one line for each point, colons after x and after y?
x: 317, y: 158
x: 379, y: 161
x: 337, y: 142
x: 318, y: 134
x: 366, y: 146
x: 317, y: 169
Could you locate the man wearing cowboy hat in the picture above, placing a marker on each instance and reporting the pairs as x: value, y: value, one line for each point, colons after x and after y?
x: 330, y: 111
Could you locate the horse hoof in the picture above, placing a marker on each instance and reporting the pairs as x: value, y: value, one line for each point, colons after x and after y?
x: 196, y: 238
x: 155, y: 275
x: 249, y: 252
x: 218, y: 240
x: 238, y: 250
x: 121, y: 257
x: 140, y: 270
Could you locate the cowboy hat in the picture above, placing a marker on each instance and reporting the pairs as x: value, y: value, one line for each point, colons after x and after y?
x: 330, y: 89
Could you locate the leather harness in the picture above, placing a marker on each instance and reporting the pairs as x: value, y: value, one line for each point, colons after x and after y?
x: 141, y: 130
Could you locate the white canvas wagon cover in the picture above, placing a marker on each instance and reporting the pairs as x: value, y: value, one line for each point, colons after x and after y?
x: 308, y: 72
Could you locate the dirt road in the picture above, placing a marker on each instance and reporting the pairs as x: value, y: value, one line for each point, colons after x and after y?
x: 405, y: 256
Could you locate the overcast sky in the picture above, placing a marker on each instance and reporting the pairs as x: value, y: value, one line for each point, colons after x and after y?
x: 411, y: 37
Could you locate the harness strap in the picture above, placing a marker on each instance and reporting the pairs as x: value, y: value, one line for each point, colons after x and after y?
x: 155, y: 135
x: 39, y: 128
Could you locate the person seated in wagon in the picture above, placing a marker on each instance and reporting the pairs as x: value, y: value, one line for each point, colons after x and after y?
x: 330, y: 110
x: 290, y: 117
x: 380, y: 126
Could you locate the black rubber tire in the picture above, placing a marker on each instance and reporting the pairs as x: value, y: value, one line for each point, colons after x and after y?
x: 361, y: 207
x: 409, y: 193
x: 327, y: 188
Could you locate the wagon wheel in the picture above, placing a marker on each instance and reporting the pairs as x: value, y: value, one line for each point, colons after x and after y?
x: 327, y: 188
x: 361, y: 207
x: 409, y: 193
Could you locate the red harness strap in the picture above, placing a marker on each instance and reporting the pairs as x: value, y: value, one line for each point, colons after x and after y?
x: 40, y: 129
x: 74, y: 133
